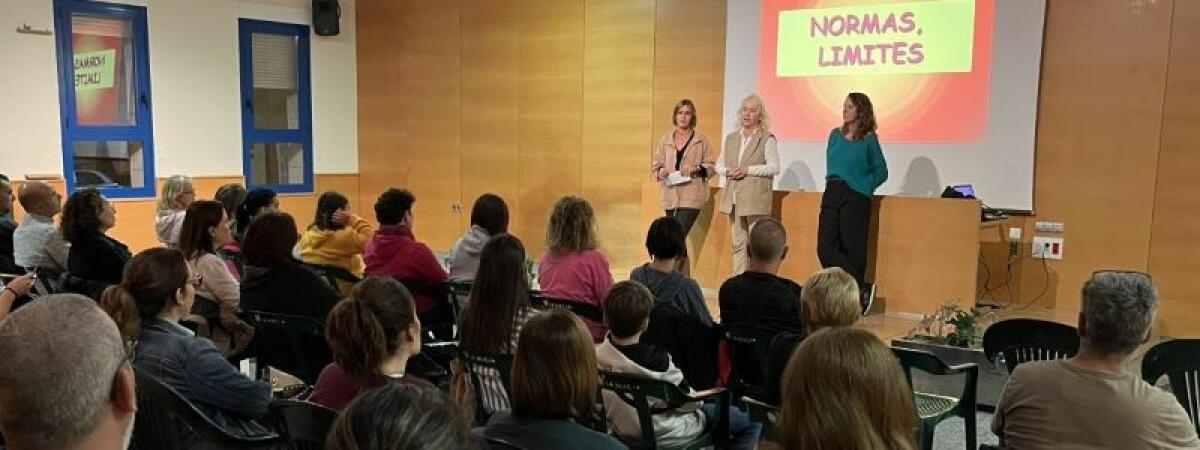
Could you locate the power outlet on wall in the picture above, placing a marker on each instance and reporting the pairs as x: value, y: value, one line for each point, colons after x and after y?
x: 1047, y: 247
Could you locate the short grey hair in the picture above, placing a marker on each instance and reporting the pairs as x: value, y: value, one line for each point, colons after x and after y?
x: 1118, y: 308
x: 61, y: 356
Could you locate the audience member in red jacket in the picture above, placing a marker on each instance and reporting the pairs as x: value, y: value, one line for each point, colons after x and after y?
x: 394, y: 252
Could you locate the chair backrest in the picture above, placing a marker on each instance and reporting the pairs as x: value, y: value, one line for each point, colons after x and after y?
x: 159, y: 409
x: 1179, y: 360
x: 749, y: 353
x: 300, y: 332
x: 1024, y: 340
x: 333, y: 274
x: 637, y: 391
x: 929, y: 363
x: 761, y: 412
x: 583, y: 310
x: 495, y: 443
x: 438, y: 325
x: 475, y: 364
x: 304, y: 424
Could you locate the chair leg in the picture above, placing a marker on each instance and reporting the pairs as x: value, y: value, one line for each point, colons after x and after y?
x: 927, y: 435
x: 969, y: 422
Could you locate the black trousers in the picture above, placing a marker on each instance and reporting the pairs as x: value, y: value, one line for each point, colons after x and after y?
x: 842, y: 229
x: 686, y: 217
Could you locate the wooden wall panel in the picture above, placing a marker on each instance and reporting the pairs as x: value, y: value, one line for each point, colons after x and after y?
x: 490, y: 81
x: 1098, y: 128
x: 551, y: 112
x: 429, y: 116
x: 618, y: 68
x: 379, y: 154
x: 1175, y: 239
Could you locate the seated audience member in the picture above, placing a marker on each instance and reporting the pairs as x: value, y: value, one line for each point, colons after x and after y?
x: 95, y: 260
x: 37, y: 242
x: 680, y: 323
x: 177, y: 195
x: 372, y: 333
x: 759, y: 298
x: 396, y: 253
x: 231, y: 197
x: 845, y: 389
x: 627, y: 314
x: 489, y: 217
x: 396, y: 416
x: 497, y: 309
x: 15, y: 289
x: 554, y: 388
x: 157, y: 291
x: 572, y: 268
x: 275, y: 282
x: 336, y: 238
x: 8, y: 228
x: 257, y: 202
x: 218, y: 296
x: 1090, y: 400
x: 829, y: 299
x: 65, y: 382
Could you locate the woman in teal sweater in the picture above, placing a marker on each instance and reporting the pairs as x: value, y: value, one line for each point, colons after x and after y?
x: 854, y: 169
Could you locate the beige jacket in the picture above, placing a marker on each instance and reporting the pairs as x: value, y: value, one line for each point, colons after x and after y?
x: 752, y: 194
x: 698, y: 153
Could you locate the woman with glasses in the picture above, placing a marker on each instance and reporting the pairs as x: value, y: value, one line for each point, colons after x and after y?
x: 157, y: 291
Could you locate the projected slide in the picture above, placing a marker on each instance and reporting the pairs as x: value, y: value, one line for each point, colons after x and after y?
x: 925, y: 65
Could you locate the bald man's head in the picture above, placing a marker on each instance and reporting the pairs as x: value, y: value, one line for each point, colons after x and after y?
x: 39, y: 198
x: 64, y: 374
x: 768, y: 240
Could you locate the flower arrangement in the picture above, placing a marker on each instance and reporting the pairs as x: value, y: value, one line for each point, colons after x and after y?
x: 951, y: 325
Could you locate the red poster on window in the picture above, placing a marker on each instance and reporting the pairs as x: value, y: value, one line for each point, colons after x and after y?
x: 101, y: 87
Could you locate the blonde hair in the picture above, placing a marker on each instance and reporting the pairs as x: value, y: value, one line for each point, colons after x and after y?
x: 844, y: 389
x: 172, y: 188
x: 829, y: 298
x: 764, y: 121
x: 572, y: 226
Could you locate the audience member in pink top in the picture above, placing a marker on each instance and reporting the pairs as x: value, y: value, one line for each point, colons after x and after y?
x: 572, y: 268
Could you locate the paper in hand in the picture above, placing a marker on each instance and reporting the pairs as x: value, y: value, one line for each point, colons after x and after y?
x: 677, y: 178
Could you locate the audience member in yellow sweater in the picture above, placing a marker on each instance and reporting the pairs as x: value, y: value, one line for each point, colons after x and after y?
x: 336, y: 237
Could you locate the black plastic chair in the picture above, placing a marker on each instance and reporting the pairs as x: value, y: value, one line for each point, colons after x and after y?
x: 932, y: 408
x: 475, y: 364
x: 305, y: 425
x: 334, y: 276
x: 308, y: 352
x: 637, y: 391
x: 457, y: 294
x: 749, y: 352
x: 1023, y: 340
x: 761, y: 412
x: 438, y: 323
x: 160, y: 409
x: 1179, y: 360
x: 578, y: 307
x: 495, y: 443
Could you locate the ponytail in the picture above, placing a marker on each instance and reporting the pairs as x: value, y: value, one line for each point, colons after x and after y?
x: 121, y: 306
x: 358, y: 341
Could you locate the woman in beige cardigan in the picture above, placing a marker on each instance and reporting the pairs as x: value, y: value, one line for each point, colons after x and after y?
x: 682, y: 163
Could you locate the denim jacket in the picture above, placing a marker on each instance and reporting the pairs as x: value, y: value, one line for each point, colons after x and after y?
x: 194, y: 368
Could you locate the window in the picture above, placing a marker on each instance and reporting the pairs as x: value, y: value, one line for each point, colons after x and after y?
x: 104, y: 96
x: 276, y: 106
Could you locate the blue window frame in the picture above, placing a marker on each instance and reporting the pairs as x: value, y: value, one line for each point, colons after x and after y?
x: 276, y: 93
x: 104, y: 96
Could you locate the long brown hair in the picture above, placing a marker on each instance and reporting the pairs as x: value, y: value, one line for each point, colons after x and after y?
x: 572, y: 226
x: 366, y: 329
x: 499, y: 294
x: 866, y: 116
x: 843, y: 389
x: 194, y: 237
x: 150, y: 282
x: 554, y: 371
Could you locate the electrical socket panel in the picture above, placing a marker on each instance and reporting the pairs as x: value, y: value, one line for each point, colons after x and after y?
x: 1047, y: 247
x: 1014, y: 234
x: 1048, y: 227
